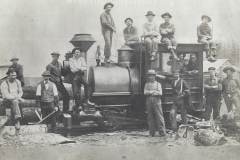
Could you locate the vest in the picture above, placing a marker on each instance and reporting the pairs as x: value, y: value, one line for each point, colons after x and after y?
x: 47, y: 95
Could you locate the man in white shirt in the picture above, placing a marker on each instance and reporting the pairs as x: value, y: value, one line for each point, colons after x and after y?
x: 153, y: 92
x: 12, y: 92
x: 150, y: 33
x: 78, y: 66
x: 47, y: 99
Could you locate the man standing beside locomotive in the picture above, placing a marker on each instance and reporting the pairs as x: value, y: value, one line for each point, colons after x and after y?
x: 153, y: 91
x: 47, y: 99
x: 167, y: 30
x: 108, y: 27
x: 18, y: 69
x: 213, y: 87
x: 55, y: 69
x: 130, y: 33
x: 180, y: 93
x: 204, y: 33
x: 78, y: 66
x: 150, y: 33
x: 230, y: 89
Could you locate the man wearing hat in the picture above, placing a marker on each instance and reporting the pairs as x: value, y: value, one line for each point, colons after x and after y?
x: 150, y: 33
x: 12, y: 92
x: 18, y: 68
x: 230, y: 89
x: 213, y: 88
x: 130, y: 33
x: 47, y: 99
x: 181, y: 94
x: 204, y: 33
x: 108, y: 27
x: 78, y: 67
x: 153, y: 91
x: 167, y: 30
x: 55, y: 69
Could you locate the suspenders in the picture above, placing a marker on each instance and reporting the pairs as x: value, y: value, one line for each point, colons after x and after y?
x: 9, y: 86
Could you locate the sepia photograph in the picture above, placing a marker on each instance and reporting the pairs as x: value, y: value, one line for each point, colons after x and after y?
x: 119, y: 79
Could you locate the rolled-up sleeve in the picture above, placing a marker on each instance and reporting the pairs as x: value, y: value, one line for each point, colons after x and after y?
x: 38, y: 92
x: 55, y: 91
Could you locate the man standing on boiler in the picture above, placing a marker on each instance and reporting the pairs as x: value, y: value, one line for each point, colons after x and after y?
x: 108, y: 27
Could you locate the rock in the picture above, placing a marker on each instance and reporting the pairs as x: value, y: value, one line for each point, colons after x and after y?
x: 209, y: 138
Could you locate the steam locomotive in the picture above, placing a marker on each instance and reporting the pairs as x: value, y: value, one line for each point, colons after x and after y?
x: 117, y: 88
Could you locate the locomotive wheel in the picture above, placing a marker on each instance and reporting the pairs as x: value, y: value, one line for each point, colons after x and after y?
x: 111, y: 124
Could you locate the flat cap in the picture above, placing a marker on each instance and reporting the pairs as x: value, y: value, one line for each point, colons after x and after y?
x: 212, y: 68
x: 128, y: 19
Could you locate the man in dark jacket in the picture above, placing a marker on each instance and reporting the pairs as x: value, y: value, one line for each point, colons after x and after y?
x: 130, y: 33
x: 18, y: 69
x: 108, y: 27
x: 204, y: 33
x: 55, y: 69
x: 213, y: 88
x: 181, y: 92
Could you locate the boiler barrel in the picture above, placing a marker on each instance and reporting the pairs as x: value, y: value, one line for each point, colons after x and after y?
x: 113, y: 80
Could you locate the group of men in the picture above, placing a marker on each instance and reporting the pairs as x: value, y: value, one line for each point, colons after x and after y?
x: 47, y: 97
x: 151, y: 32
x: 229, y: 87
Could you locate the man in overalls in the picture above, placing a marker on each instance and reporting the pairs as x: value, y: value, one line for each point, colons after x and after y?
x: 153, y: 91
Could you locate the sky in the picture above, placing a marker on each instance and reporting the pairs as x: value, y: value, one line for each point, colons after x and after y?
x: 33, y: 29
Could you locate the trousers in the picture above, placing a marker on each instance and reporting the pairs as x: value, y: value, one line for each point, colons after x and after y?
x: 46, y: 109
x: 213, y: 102
x: 208, y: 43
x: 233, y: 99
x: 77, y: 81
x: 155, y: 115
x: 169, y: 42
x: 65, y: 96
x: 152, y: 44
x: 107, y: 35
x: 178, y: 103
x: 15, y: 108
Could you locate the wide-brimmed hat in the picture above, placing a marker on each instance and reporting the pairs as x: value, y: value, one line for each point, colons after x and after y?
x: 128, y: 19
x: 150, y: 13
x: 55, y: 53
x: 166, y: 14
x: 151, y: 71
x: 205, y: 16
x: 10, y: 70
x: 14, y: 58
x: 46, y: 73
x: 108, y: 3
x: 211, y: 68
x: 77, y: 48
x: 228, y: 68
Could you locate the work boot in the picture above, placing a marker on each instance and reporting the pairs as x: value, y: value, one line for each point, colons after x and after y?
x: 107, y: 60
x: 152, y: 58
x: 17, y: 126
x: 88, y: 102
x: 211, y: 59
